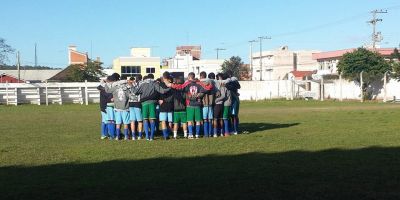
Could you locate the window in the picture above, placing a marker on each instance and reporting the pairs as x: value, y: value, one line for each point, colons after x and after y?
x: 129, y: 71
x: 150, y: 70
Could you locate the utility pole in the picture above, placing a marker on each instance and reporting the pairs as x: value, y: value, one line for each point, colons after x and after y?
x: 35, y: 55
x: 376, y: 36
x: 18, y: 67
x: 219, y: 49
x: 251, y: 57
x: 261, y: 38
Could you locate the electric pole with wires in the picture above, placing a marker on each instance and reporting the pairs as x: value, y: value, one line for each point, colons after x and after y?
x: 376, y: 36
x: 261, y: 38
x: 218, y: 50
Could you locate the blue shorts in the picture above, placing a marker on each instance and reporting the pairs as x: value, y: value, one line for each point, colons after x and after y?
x: 104, y: 117
x: 208, y: 112
x: 110, y: 113
x: 122, y: 117
x: 166, y: 117
x: 135, y: 114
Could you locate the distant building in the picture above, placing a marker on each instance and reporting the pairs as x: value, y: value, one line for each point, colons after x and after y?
x: 139, y: 62
x: 76, y: 57
x: 277, y: 64
x: 328, y: 61
x: 187, y: 59
x: 194, y: 51
x: 27, y: 76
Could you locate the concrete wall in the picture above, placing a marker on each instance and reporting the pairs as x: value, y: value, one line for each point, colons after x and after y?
x: 83, y: 93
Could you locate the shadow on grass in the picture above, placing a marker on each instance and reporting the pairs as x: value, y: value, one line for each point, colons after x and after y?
x: 371, y: 173
x: 255, y: 127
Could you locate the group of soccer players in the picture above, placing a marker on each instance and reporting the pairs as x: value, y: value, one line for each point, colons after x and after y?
x: 207, y: 106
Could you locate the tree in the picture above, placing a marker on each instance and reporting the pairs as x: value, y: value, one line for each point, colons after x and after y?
x: 373, y: 66
x: 232, y: 66
x: 4, y: 50
x: 394, y: 62
x: 90, y: 72
x: 395, y: 54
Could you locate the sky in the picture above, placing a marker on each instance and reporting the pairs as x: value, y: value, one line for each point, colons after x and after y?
x: 109, y: 28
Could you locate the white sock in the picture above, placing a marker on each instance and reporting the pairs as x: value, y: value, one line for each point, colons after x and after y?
x: 175, y: 134
x: 185, y: 133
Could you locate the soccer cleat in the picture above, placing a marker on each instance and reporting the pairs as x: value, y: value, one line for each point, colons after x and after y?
x: 190, y: 137
x: 126, y: 139
x: 103, y: 137
x: 215, y: 135
x: 235, y: 133
x: 197, y: 137
x: 175, y: 137
x: 133, y: 138
x: 116, y: 139
x: 139, y: 138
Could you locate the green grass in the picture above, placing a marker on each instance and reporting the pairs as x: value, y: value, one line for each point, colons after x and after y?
x: 295, y: 150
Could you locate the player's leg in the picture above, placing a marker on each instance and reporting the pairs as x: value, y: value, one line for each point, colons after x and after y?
x: 184, y: 123
x: 104, y: 122
x: 153, y: 118
x: 205, y: 121
x: 145, y: 115
x: 163, y: 120
x: 226, y: 118
x: 197, y: 119
x: 118, y: 122
x: 132, y: 119
x: 111, y: 121
x: 139, y: 119
x: 190, y: 120
x: 126, y: 122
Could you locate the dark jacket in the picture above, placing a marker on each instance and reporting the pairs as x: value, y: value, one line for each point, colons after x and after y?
x: 179, y: 101
x: 149, y: 91
x: 104, y: 98
x: 168, y: 100
x: 233, y: 86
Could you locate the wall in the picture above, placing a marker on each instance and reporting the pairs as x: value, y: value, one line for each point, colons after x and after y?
x: 82, y: 93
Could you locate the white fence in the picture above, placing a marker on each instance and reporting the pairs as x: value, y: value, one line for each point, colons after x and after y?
x: 86, y: 92
x: 48, y: 93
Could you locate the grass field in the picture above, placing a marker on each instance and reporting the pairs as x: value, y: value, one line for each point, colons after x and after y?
x: 294, y: 150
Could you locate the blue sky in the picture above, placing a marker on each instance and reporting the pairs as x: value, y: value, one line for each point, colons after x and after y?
x: 111, y: 27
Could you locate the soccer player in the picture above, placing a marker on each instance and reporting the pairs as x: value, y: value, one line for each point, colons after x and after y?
x: 179, y: 111
x: 166, y: 107
x: 208, y: 102
x: 222, y: 108
x: 149, y: 91
x: 233, y: 86
x: 194, y: 90
x: 135, y: 108
x: 121, y: 102
x: 105, y: 98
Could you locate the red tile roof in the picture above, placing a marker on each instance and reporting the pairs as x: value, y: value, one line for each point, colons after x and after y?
x: 339, y: 53
x: 302, y: 73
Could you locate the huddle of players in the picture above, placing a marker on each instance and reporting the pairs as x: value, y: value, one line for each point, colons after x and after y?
x: 209, y: 104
